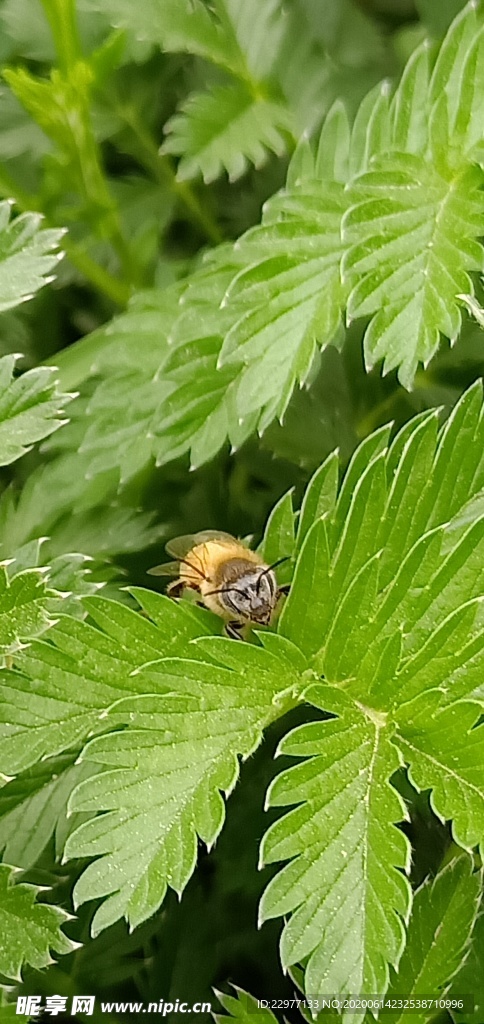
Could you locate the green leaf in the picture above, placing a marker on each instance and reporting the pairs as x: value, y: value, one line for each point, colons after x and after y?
x: 171, y: 408
x: 387, y: 563
x: 287, y: 299
x: 304, y: 616
x: 386, y: 604
x: 258, y: 31
x: 474, y: 308
x: 412, y: 237
x: 59, y: 500
x: 101, y: 532
x: 28, y: 930
x: 445, y: 751
x: 458, y: 469
x: 194, y: 414
x: 320, y: 496
x: 8, y: 1011
x: 68, y: 575
x: 27, y: 29
x: 81, y: 673
x: 455, y: 87
x: 25, y: 24
x: 163, y: 777
x: 255, y: 315
x: 243, y: 1007
x: 370, y: 135
x: 278, y: 539
x: 226, y: 129
x: 450, y: 659
x: 319, y: 417
x: 129, y: 353
x: 409, y: 114
x: 24, y: 608
x: 447, y: 72
x: 345, y: 854
x: 332, y: 158
x: 27, y: 256
x: 323, y: 568
x: 470, y: 977
x: 467, y: 127
x: 305, y: 73
x: 30, y: 408
x: 174, y: 26
x: 441, y: 924
x: 367, y: 451
x: 32, y: 805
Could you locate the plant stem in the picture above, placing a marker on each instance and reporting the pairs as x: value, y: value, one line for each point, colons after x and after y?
x: 61, y: 15
x: 112, y: 287
x: 75, y: 80
x: 145, y: 150
x: 371, y: 420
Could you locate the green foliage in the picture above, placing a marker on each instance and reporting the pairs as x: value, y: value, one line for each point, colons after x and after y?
x: 8, y: 1011
x: 439, y: 932
x: 173, y: 709
x: 349, y: 872
x: 382, y: 220
x: 289, y: 201
x: 261, y: 100
x: 242, y: 1007
x: 30, y: 409
x: 440, y: 928
x: 411, y: 280
x: 165, y: 829
x: 74, y: 690
x: 31, y: 809
x: 24, y: 608
x: 207, y: 132
x: 100, y: 526
x: 27, y: 255
x: 162, y: 725
x: 29, y: 929
x: 469, y: 977
x: 403, y: 655
x: 175, y: 26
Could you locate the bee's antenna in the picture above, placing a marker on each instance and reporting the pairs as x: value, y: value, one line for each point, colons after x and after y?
x: 275, y: 564
x: 223, y: 590
x: 270, y: 568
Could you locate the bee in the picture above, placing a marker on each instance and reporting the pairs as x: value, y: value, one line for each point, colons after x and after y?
x: 232, y: 580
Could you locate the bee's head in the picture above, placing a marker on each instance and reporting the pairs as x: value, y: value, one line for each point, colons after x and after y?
x: 252, y: 596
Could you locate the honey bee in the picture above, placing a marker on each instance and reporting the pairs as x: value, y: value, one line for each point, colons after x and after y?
x: 232, y: 580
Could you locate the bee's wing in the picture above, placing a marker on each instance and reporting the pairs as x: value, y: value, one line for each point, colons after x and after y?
x: 166, y: 569
x: 180, y: 546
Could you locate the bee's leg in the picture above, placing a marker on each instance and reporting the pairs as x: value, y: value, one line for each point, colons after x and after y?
x: 176, y: 588
x: 232, y: 629
x: 285, y: 589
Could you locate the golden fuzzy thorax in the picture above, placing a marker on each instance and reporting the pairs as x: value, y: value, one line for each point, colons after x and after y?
x: 220, y: 562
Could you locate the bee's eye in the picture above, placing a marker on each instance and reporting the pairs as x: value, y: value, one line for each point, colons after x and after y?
x: 236, y: 601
